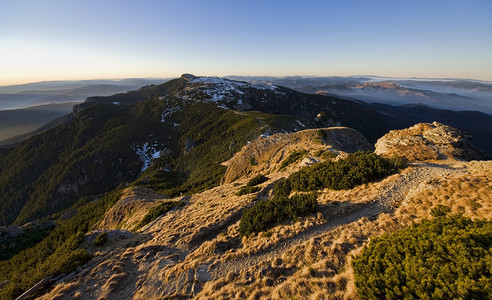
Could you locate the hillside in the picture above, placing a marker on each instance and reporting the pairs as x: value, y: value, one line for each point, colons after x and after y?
x: 112, y: 140
x: 210, y: 188
x: 196, y: 251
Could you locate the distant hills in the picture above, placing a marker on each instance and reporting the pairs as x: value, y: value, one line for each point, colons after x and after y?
x: 449, y: 94
x: 27, y: 107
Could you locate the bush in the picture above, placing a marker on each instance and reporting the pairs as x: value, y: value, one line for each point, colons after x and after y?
x: 443, y: 258
x: 282, y: 188
x: 328, y: 155
x: 266, y: 214
x: 101, y: 239
x: 156, y: 211
x: 247, y: 190
x: 258, y: 179
x: 356, y: 169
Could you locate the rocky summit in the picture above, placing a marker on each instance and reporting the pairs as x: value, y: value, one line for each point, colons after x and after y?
x: 427, y: 141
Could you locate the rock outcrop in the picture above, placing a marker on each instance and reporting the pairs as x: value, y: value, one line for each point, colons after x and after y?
x: 264, y: 154
x: 429, y: 141
x: 131, y: 208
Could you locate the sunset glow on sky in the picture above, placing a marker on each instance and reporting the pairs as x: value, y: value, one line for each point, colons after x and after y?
x: 59, y: 40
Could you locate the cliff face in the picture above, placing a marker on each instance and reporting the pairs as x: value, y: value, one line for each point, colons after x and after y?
x: 429, y: 141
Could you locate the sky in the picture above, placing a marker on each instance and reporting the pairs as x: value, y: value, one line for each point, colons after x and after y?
x: 71, y: 40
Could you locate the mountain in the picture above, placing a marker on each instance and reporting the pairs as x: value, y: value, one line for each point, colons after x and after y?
x: 465, y: 104
x: 205, y: 187
x: 17, y: 122
x: 26, y: 108
x: 195, y: 250
x: 447, y: 94
x: 113, y: 140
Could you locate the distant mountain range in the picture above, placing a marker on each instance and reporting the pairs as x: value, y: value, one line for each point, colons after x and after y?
x: 449, y: 94
x: 27, y: 107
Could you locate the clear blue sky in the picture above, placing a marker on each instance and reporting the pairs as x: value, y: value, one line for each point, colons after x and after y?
x: 67, y: 39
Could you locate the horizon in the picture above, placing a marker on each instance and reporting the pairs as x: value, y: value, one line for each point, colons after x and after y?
x: 55, y: 40
x: 383, y: 78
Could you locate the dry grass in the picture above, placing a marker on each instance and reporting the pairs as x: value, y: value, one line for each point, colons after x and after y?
x: 306, y: 259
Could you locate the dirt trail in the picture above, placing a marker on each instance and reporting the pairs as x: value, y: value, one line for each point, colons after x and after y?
x: 389, y: 197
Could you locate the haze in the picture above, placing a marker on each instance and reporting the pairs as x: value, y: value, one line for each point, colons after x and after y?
x: 60, y: 40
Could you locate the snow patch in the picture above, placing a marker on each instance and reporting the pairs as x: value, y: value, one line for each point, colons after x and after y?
x: 147, y: 153
x: 169, y: 111
x: 299, y: 122
x: 220, y: 89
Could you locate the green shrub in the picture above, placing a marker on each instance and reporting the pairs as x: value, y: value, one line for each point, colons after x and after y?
x: 101, y: 239
x: 440, y: 210
x: 266, y: 214
x: 328, y: 155
x: 293, y: 157
x: 443, y: 258
x: 258, y: 179
x: 320, y: 133
x: 58, y: 252
x: 282, y: 188
x: 156, y: 211
x: 356, y: 169
x: 248, y: 190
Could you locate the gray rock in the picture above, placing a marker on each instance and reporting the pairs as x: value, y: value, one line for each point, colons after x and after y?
x: 3, y: 283
x: 196, y: 288
x: 202, y: 274
x: 10, y: 231
x: 190, y: 276
x: 189, y: 144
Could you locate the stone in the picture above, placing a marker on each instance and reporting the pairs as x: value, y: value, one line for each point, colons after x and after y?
x: 189, y: 144
x: 202, y: 274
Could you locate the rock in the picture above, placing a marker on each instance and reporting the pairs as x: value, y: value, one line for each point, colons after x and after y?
x: 165, y: 262
x: 202, y: 274
x: 189, y: 144
x: 47, y: 223
x: 428, y: 141
x: 307, y: 161
x: 196, y: 288
x: 3, y: 283
x: 327, y: 119
x: 119, y: 234
x: 190, y: 277
x: 270, y: 151
x: 10, y: 231
x: 69, y: 214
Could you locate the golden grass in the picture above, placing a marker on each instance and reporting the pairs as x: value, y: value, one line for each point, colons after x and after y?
x: 291, y: 261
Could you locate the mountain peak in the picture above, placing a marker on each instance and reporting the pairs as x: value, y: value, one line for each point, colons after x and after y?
x: 188, y: 77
